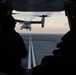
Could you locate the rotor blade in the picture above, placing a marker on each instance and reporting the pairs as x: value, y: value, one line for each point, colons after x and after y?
x: 42, y: 15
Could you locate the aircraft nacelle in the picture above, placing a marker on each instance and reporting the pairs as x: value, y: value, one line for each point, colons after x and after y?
x: 43, y: 20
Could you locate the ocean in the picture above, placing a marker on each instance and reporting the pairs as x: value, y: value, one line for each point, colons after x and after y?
x: 43, y: 45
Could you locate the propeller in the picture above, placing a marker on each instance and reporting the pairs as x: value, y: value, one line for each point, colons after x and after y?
x: 42, y: 15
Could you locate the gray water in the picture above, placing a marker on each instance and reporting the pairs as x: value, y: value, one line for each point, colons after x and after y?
x: 43, y: 45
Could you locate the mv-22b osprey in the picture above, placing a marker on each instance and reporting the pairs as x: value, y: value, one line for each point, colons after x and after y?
x: 27, y: 24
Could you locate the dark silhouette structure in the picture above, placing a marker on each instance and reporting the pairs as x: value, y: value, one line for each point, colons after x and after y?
x: 45, y: 59
x: 12, y: 47
x: 64, y: 59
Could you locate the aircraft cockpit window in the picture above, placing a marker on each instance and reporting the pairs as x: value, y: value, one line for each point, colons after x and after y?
x: 44, y: 31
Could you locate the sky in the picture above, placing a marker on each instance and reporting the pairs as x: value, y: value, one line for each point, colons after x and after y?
x: 56, y: 23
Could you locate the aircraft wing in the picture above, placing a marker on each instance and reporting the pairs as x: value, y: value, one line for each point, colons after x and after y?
x: 37, y: 5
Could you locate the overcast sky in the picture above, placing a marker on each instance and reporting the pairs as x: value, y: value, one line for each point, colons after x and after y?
x: 56, y: 23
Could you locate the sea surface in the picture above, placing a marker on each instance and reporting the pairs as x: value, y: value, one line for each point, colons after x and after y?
x: 43, y: 45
